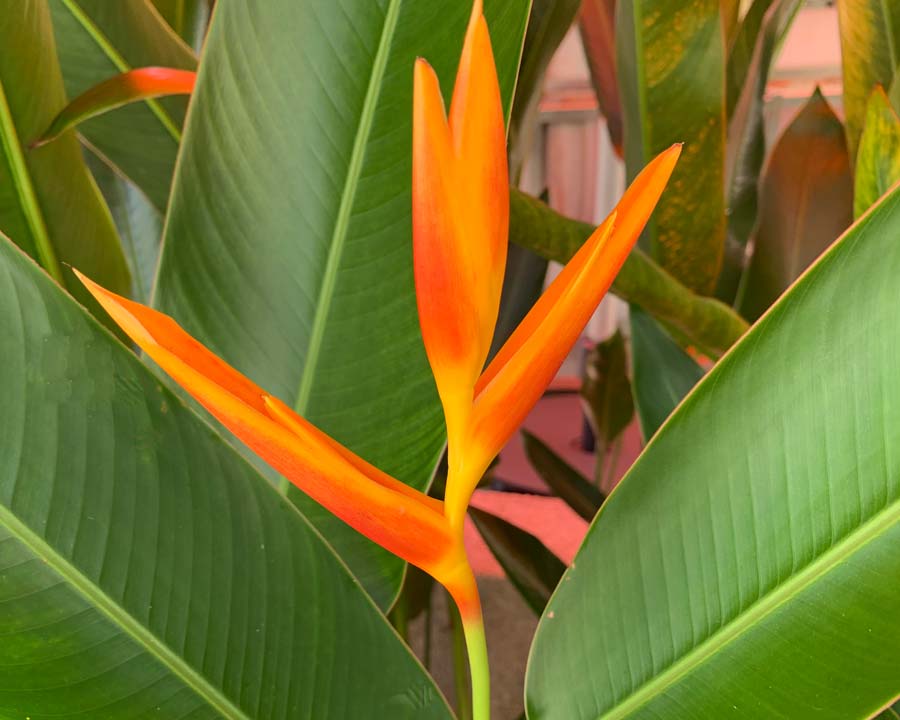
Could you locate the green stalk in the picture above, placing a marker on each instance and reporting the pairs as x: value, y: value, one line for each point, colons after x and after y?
x: 478, y: 668
x: 463, y: 704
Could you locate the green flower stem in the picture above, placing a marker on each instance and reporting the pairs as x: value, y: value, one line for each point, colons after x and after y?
x: 478, y: 668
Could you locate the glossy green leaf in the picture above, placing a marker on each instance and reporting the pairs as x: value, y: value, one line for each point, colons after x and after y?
x: 878, y: 159
x: 596, y: 22
x: 606, y: 391
x: 666, y: 98
x: 565, y: 481
x: 547, y: 26
x: 138, y: 222
x: 97, y: 39
x: 870, y: 54
x: 705, y: 321
x: 146, y: 570
x: 663, y: 373
x: 49, y: 205
x: 288, y: 247
x: 532, y: 569
x: 189, y: 18
x: 741, y: 564
x: 746, y: 147
x: 806, y: 201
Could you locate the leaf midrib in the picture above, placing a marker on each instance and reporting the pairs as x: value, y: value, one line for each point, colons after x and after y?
x: 116, y: 58
x: 28, y: 202
x: 99, y: 600
x: 870, y: 530
x: 345, y: 209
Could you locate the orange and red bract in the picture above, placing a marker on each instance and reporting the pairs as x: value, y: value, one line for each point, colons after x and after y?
x: 460, y: 222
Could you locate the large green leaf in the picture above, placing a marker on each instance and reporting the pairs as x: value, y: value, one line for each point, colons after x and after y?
x: 743, y: 564
x: 288, y: 245
x: 670, y: 61
x: 146, y: 570
x: 878, y: 158
x: 746, y: 147
x: 49, y: 205
x: 97, y: 39
x: 870, y: 54
x: 806, y: 201
x: 705, y: 321
x: 663, y: 372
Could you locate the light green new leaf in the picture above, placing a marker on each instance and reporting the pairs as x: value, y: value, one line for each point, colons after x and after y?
x: 663, y: 373
x: 146, y: 570
x: 806, y: 201
x: 49, y: 204
x: 870, y: 54
x: 98, y: 39
x: 878, y: 159
x: 707, y: 322
x: 742, y: 565
x: 288, y: 247
x: 670, y: 60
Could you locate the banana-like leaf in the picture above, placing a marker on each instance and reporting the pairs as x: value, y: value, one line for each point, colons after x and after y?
x: 806, y: 201
x: 746, y: 147
x: 97, y: 39
x: 146, y: 570
x: 288, y: 244
x: 878, y: 158
x: 741, y: 564
x: 606, y: 391
x: 670, y: 61
x: 596, y: 21
x: 705, y: 321
x: 188, y: 18
x: 663, y: 373
x: 49, y: 205
x: 565, y: 481
x: 532, y: 569
x: 870, y: 54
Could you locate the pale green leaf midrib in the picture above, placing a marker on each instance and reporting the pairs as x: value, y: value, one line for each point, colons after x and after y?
x: 121, y: 64
x: 99, y: 600
x: 870, y: 530
x: 21, y: 180
x: 345, y: 209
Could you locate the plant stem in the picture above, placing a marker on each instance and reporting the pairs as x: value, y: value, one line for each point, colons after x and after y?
x: 613, y: 463
x: 400, y: 616
x: 463, y: 703
x: 479, y: 670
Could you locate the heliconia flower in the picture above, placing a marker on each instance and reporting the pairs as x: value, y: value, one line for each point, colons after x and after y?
x: 460, y: 221
x: 140, y: 84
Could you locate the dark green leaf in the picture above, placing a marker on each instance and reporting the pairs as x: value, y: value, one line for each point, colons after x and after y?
x: 806, y: 201
x: 606, y: 391
x: 288, y: 245
x: 138, y: 222
x: 49, y: 205
x: 746, y: 146
x: 662, y: 372
x: 597, y: 21
x: 741, y: 51
x: 532, y: 569
x: 870, y: 33
x: 146, y: 570
x: 891, y: 713
x: 706, y: 322
x: 522, y: 286
x: 662, y: 45
x: 739, y: 570
x: 97, y: 39
x: 188, y: 18
x: 565, y: 481
x: 878, y: 159
x: 547, y: 26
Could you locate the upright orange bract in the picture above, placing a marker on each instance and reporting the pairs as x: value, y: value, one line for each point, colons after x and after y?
x: 460, y: 221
